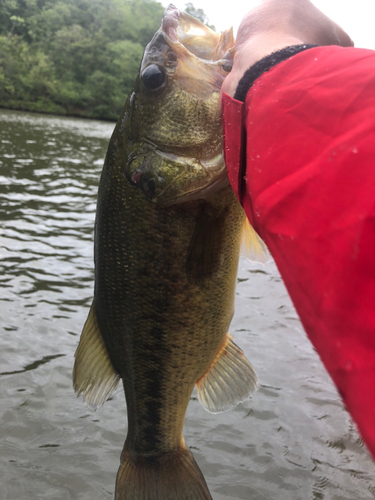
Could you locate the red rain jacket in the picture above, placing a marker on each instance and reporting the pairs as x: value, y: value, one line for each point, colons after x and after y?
x: 300, y: 154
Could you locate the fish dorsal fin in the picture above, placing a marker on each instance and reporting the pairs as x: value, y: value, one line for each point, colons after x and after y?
x: 93, y: 374
x: 230, y: 379
x: 253, y: 247
x: 226, y: 42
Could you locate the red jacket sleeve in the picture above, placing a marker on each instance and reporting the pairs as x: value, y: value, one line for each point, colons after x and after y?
x: 301, y: 158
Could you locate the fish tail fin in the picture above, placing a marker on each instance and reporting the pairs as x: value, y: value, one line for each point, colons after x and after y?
x: 173, y: 476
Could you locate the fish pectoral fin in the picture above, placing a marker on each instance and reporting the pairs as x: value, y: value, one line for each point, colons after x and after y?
x: 253, y: 247
x: 93, y: 374
x: 204, y: 256
x: 230, y: 380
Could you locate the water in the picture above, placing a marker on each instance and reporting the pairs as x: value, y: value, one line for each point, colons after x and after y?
x: 293, y: 440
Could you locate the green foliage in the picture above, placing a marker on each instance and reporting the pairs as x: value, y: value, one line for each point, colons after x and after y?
x: 198, y: 14
x: 77, y: 57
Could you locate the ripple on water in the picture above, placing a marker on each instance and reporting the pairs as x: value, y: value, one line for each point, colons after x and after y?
x: 292, y: 441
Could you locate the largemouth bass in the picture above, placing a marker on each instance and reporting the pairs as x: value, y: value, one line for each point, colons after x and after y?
x: 167, y: 240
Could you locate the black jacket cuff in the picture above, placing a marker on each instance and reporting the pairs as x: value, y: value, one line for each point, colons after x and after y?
x: 263, y: 65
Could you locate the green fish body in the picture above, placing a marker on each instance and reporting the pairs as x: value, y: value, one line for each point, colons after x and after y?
x: 167, y: 241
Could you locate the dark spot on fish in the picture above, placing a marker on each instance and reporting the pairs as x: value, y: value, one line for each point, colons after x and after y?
x: 155, y: 352
x: 150, y: 189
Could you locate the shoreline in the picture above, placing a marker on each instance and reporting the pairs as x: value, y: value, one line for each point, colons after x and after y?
x: 56, y: 112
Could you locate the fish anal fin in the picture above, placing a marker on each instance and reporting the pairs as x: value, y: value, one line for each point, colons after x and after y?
x: 93, y: 374
x: 230, y: 380
x: 253, y: 247
x: 172, y: 476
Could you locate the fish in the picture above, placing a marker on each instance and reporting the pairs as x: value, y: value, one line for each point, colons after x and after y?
x: 168, y: 233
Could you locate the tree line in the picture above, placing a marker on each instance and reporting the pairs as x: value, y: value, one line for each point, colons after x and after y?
x: 75, y: 57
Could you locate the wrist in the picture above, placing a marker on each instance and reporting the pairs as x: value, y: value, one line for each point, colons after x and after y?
x: 265, y: 64
x: 262, y: 45
x: 247, y: 53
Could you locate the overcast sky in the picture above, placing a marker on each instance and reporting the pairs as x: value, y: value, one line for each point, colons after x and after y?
x: 357, y: 17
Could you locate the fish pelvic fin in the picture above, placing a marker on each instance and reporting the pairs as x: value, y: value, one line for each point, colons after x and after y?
x: 93, y: 374
x: 230, y: 380
x: 172, y: 476
x: 253, y: 247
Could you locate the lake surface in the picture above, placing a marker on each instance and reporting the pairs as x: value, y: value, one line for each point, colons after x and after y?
x: 293, y: 440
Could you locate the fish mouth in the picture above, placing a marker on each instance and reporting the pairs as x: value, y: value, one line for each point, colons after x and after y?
x: 215, y: 179
x: 190, y: 51
x: 169, y: 22
x: 195, y: 36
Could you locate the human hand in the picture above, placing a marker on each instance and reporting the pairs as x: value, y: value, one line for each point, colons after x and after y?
x: 275, y: 24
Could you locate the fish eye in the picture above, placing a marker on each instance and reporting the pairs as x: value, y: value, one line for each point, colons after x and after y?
x: 226, y: 61
x: 153, y: 77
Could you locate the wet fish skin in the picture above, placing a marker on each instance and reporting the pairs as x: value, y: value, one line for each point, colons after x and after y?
x: 167, y: 239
